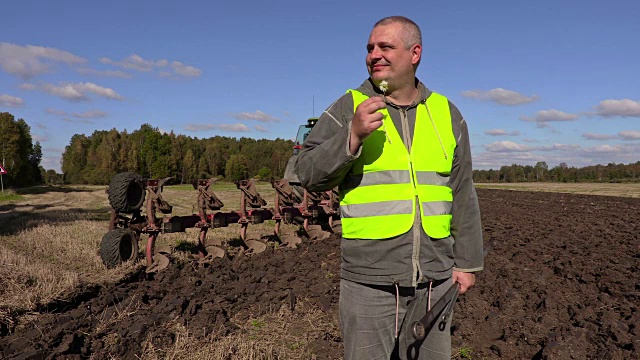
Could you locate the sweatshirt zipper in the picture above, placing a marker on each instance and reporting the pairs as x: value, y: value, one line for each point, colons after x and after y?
x: 415, y: 253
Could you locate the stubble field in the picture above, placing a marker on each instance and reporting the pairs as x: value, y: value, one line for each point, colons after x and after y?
x: 562, y: 282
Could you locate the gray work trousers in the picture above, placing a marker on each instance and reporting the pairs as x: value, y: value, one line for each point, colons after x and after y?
x: 368, y: 321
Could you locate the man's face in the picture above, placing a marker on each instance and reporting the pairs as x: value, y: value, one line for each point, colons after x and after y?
x: 387, y: 56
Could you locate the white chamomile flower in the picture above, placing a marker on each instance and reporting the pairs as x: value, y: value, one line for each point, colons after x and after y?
x: 384, y: 86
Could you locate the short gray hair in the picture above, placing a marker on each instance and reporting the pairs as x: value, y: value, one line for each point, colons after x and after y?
x: 412, y: 34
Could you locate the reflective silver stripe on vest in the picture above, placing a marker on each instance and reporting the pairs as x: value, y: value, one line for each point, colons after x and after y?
x: 431, y: 178
x: 381, y: 208
x: 437, y: 208
x: 377, y: 178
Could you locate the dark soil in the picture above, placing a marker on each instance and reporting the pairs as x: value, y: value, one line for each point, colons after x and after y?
x: 562, y: 282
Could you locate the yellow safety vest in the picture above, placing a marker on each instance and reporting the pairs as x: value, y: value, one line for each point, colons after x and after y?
x: 377, y: 198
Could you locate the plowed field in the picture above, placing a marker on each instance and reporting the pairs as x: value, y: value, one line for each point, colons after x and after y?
x: 562, y: 282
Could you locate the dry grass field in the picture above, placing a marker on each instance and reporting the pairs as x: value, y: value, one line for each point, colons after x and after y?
x: 49, y: 241
x: 606, y: 189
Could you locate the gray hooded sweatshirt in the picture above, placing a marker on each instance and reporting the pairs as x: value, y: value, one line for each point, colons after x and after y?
x: 413, y: 257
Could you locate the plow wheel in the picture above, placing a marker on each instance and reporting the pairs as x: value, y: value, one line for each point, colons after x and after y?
x: 316, y: 232
x: 117, y: 246
x: 126, y: 193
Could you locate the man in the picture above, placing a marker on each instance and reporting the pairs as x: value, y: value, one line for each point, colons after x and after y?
x: 410, y: 218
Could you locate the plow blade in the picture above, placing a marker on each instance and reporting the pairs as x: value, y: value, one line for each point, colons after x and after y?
x: 336, y: 227
x: 289, y: 239
x: 316, y: 232
x: 255, y: 246
x: 214, y: 251
x: 160, y: 260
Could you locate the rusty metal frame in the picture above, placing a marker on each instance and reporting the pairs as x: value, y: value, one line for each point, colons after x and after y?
x: 313, y: 208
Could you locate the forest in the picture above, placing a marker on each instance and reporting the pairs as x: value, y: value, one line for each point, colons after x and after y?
x: 94, y: 159
x: 18, y: 154
x: 541, y: 172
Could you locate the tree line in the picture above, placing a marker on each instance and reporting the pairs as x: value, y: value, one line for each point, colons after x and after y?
x: 151, y: 153
x: 562, y: 173
x: 96, y: 158
x: 18, y: 154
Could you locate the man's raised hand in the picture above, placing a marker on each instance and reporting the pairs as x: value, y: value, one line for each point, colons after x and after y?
x: 365, y: 121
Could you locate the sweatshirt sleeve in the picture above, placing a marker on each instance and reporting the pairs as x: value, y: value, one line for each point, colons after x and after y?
x: 325, y: 158
x: 466, y: 227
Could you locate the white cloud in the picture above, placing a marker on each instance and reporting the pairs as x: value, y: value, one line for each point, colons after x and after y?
x: 224, y: 127
x: 543, y: 117
x: 40, y: 138
x: 74, y: 91
x: 603, y: 149
x: 185, y: 70
x: 629, y: 135
x: 624, y: 108
x: 500, y: 96
x: 107, y: 73
x: 29, y: 61
x: 488, y: 160
x: 134, y: 62
x: 138, y: 63
x: 261, y: 128
x: 506, y: 146
x: 10, y: 101
x: 233, y: 127
x: 599, y: 137
x: 498, y: 132
x: 98, y: 90
x: 51, y: 162
x: 66, y: 91
x: 56, y: 112
x: 572, y: 154
x: 198, y: 127
x: 93, y: 114
x: 78, y: 121
x: 257, y: 116
x: 558, y: 147
x: 510, y: 146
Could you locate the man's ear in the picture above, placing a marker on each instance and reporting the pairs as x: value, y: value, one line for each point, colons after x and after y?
x: 416, y: 54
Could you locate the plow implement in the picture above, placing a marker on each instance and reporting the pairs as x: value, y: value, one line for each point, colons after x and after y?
x: 138, y: 207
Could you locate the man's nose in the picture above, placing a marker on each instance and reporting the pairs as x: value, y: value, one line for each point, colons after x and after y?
x: 376, y: 53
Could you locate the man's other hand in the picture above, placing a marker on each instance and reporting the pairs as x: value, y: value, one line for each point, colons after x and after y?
x: 466, y: 280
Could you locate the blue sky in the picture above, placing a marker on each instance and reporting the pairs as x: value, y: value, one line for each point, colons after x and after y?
x: 553, y: 81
